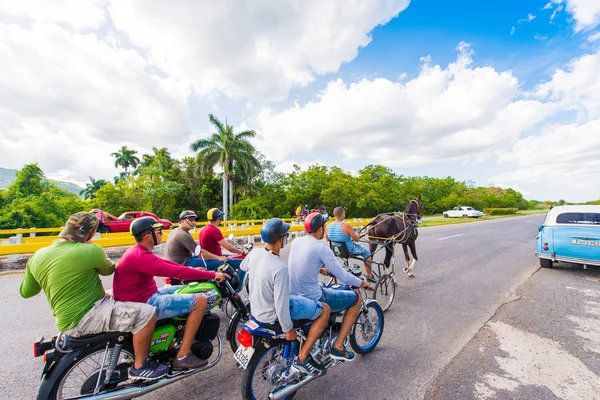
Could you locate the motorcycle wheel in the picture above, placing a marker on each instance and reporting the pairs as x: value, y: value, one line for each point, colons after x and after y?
x: 266, y: 364
x: 385, y: 292
x: 235, y: 326
x: 81, y: 376
x: 368, y: 328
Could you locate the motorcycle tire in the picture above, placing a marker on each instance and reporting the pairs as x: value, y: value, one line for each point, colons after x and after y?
x: 276, y: 351
x: 235, y: 325
x: 53, y: 384
x: 364, y: 326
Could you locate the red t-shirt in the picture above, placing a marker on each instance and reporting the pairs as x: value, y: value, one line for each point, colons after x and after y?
x: 210, y: 236
x: 135, y: 272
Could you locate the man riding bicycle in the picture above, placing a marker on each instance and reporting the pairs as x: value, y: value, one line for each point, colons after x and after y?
x: 134, y: 281
x: 307, y: 255
x: 270, y: 298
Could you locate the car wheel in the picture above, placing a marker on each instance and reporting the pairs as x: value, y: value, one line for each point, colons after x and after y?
x: 465, y: 216
x: 105, y: 229
x: 445, y: 215
x: 545, y: 263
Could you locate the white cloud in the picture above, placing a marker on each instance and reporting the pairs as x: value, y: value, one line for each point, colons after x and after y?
x: 251, y: 49
x: 530, y: 17
x: 75, y: 96
x: 585, y: 12
x: 578, y: 88
x: 593, y: 37
x: 512, y: 31
x: 460, y: 113
x: 538, y: 36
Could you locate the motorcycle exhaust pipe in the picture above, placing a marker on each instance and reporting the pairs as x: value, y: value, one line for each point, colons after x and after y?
x: 130, y: 393
x: 287, y: 390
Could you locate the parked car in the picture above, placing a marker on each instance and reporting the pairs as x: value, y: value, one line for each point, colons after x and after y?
x: 570, y: 234
x: 123, y: 221
x: 463, y: 212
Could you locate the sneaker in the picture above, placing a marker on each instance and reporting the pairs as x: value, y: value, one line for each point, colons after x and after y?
x: 189, y: 361
x: 150, y: 370
x: 369, y: 278
x: 343, y: 355
x: 309, y: 366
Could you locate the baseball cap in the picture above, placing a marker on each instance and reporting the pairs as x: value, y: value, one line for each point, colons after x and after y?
x: 78, y: 227
x: 214, y: 213
x: 188, y: 214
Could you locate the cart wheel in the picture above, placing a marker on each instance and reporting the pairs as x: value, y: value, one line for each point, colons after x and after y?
x: 385, y: 291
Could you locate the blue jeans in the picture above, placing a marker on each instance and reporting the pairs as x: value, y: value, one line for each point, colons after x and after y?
x: 304, y: 308
x: 358, y: 250
x: 338, y: 300
x: 212, y: 265
x: 195, y: 262
x: 169, y: 305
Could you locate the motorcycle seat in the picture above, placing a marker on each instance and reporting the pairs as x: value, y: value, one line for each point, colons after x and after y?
x: 70, y: 342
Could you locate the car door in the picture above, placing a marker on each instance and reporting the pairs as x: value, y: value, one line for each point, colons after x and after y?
x: 577, y: 235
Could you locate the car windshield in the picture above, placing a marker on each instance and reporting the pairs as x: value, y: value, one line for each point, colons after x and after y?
x: 469, y: 208
x: 579, y: 218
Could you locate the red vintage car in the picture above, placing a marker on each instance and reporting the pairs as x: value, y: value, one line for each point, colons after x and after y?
x: 122, y: 222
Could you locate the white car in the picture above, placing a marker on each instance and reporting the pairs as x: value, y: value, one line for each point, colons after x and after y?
x: 463, y: 212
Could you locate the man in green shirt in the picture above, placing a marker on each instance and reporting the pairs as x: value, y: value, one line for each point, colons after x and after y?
x: 68, y: 272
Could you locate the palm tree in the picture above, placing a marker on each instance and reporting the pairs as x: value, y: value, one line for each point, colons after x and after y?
x: 228, y: 150
x: 91, y: 188
x: 158, y: 164
x: 126, y: 158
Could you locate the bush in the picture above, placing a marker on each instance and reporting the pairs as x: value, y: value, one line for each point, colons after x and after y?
x: 500, y: 211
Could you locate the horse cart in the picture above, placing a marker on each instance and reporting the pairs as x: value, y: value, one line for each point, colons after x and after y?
x: 384, y: 231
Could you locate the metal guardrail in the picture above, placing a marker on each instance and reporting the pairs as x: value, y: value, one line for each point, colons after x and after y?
x: 32, y: 244
x: 19, y: 231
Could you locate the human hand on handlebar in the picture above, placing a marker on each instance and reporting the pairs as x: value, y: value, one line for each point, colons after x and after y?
x: 324, y: 271
x: 291, y: 335
x: 223, y: 259
x: 364, y: 284
x: 220, y: 277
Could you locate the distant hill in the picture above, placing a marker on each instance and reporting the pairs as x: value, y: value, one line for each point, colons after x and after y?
x: 7, y: 176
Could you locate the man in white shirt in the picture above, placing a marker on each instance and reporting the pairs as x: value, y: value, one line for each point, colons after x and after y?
x: 307, y: 255
x: 270, y: 299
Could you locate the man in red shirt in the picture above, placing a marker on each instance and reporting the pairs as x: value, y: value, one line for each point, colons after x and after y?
x: 211, y: 239
x: 134, y: 281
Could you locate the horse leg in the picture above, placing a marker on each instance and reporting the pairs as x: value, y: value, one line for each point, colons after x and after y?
x: 388, y: 255
x: 413, y: 250
x: 407, y: 258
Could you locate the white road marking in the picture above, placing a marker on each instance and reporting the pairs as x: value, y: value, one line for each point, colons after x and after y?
x: 453, y: 236
x: 534, y: 360
x: 528, y: 220
x: 588, y: 329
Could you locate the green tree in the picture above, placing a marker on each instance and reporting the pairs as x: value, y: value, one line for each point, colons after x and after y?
x: 126, y: 158
x: 91, y: 188
x: 230, y: 151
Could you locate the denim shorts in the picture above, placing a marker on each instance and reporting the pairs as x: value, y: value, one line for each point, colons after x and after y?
x: 304, y: 308
x: 169, y: 305
x: 338, y: 300
x: 358, y: 250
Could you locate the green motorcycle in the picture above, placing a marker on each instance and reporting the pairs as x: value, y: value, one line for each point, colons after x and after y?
x: 96, y: 366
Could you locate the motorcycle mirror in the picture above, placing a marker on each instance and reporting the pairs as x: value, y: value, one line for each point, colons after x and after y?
x: 230, y: 237
x: 197, y: 250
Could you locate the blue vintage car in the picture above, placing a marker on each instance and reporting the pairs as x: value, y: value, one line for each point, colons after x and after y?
x: 570, y: 234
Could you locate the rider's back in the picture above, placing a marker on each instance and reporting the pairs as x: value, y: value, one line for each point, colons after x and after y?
x: 335, y: 233
x: 307, y: 255
x: 268, y: 283
x: 68, y: 274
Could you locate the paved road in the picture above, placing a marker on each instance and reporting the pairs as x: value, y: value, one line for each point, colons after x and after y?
x: 464, y: 274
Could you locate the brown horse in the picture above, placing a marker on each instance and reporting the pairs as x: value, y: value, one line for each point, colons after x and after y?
x: 387, y: 230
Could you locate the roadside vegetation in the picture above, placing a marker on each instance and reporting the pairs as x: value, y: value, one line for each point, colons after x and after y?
x: 249, y: 187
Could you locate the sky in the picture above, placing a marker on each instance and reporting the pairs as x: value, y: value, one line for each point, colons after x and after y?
x: 503, y: 94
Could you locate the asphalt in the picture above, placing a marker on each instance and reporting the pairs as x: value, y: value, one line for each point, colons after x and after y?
x: 466, y: 276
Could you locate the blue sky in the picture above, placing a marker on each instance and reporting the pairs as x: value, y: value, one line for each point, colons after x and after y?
x: 482, y: 91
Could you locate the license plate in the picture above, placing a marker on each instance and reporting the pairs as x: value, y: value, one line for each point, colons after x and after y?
x: 586, y: 242
x: 243, y: 355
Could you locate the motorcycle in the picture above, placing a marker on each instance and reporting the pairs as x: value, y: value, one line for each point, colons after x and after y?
x: 96, y: 366
x: 267, y: 357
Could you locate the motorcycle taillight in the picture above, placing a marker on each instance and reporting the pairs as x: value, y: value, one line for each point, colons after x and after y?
x: 167, y: 281
x: 244, y: 338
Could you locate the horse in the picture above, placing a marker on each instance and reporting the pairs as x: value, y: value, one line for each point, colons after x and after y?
x: 398, y: 228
